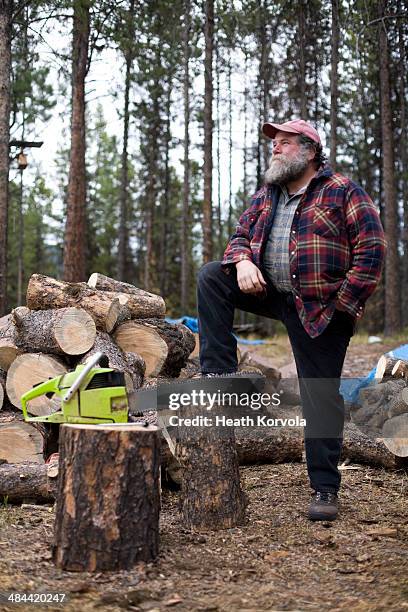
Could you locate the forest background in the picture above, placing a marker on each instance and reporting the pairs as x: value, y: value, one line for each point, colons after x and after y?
x: 150, y: 115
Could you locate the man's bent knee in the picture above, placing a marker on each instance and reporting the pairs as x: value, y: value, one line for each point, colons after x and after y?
x: 209, y: 271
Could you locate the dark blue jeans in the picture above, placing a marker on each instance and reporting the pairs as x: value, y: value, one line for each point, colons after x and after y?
x: 319, y: 361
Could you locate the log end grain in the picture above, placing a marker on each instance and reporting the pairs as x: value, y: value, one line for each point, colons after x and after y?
x: 75, y: 331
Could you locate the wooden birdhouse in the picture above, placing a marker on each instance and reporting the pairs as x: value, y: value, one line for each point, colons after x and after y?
x: 22, y: 161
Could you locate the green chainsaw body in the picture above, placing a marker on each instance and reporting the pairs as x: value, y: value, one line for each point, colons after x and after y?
x: 88, y: 395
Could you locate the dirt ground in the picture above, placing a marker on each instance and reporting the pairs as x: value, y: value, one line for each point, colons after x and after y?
x: 277, y: 561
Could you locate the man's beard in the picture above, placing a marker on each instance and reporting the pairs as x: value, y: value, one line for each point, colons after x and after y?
x: 283, y: 170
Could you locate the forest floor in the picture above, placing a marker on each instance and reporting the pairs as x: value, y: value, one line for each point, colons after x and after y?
x: 277, y: 561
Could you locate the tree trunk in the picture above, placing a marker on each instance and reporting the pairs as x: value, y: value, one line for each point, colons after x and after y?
x: 334, y: 81
x: 75, y: 251
x: 392, y: 264
x: 302, y: 60
x: 123, y: 247
x: 107, y: 515
x: 208, y: 130
x: 165, y: 206
x: 185, y: 256
x: 6, y: 10
x: 62, y: 331
x: 404, y: 167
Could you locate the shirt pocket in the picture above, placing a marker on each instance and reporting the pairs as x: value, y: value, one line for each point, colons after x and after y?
x: 252, y: 222
x: 328, y: 220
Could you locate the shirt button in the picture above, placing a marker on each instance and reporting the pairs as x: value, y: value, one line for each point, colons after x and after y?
x: 293, y: 275
x: 293, y: 231
x: 293, y: 252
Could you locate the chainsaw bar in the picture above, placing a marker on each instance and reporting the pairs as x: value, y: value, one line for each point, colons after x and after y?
x: 157, y: 398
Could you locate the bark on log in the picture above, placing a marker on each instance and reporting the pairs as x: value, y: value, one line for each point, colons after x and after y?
x: 60, y: 331
x: 44, y: 292
x: 19, y: 442
x: 107, y: 515
x: 28, y: 481
x: 395, y: 435
x: 359, y: 448
x: 398, y: 404
x: 260, y: 363
x: 164, y: 347
x: 29, y: 370
x: 105, y: 283
x: 211, y: 492
x: 375, y: 401
x: 131, y: 364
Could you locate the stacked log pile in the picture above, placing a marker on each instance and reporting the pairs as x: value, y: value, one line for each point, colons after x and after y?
x: 383, y: 409
x: 64, y: 324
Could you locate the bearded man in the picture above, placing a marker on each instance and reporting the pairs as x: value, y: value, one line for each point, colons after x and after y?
x: 308, y: 252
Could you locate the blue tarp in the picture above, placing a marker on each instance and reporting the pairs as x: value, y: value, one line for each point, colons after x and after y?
x: 351, y: 387
x: 192, y: 324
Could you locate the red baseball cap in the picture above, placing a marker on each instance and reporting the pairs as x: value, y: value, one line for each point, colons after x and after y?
x: 297, y: 126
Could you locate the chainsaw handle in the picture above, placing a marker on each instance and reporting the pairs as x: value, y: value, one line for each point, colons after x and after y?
x: 77, y: 382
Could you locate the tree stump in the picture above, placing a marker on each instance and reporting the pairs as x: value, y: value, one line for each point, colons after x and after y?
x: 107, y: 515
x: 211, y: 494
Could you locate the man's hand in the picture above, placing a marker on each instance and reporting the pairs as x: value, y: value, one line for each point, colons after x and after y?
x: 249, y: 277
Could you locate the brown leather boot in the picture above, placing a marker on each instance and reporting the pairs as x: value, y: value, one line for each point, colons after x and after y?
x: 323, y: 507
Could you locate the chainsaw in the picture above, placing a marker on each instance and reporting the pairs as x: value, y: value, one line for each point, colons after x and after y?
x: 93, y: 395
x: 89, y: 394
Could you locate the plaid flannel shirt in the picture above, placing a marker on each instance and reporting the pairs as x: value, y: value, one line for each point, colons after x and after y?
x: 336, y: 247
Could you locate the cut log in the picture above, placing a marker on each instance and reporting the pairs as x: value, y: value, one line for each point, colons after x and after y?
x: 359, y: 448
x: 107, y: 515
x: 29, y: 370
x: 131, y: 364
x: 400, y: 369
x: 28, y: 481
x: 105, y: 283
x: 44, y: 292
x: 164, y: 347
x: 60, y: 331
x: 395, y: 435
x: 375, y: 400
x: 20, y: 442
x: 398, y: 404
x: 8, y: 348
x: 211, y: 492
x: 384, y: 368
